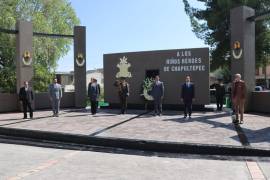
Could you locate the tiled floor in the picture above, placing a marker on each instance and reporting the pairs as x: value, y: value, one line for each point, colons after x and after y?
x: 204, y: 127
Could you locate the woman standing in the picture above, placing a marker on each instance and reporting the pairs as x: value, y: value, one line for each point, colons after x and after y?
x: 123, y: 92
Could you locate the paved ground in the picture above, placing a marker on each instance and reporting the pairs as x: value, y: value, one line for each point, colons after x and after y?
x: 31, y: 163
x: 204, y: 127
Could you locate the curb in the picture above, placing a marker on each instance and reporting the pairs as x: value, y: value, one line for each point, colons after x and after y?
x: 135, y: 144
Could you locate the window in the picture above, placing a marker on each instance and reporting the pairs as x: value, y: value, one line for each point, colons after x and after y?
x: 151, y: 73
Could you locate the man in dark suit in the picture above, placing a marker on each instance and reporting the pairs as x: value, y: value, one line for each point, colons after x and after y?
x: 220, y: 93
x: 93, y: 94
x: 188, y: 94
x: 158, y: 94
x: 26, y: 96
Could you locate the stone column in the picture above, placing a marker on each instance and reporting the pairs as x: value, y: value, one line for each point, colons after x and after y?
x: 24, y: 54
x: 243, y: 47
x: 80, y: 66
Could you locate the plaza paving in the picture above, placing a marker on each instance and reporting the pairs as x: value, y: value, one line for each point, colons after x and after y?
x: 45, y: 163
x: 203, y: 128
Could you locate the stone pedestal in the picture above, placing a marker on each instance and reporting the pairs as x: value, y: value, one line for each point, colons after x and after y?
x: 243, y: 47
x: 24, y: 54
x: 80, y: 66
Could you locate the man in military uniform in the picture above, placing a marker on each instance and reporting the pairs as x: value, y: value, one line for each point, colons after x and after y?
x: 220, y: 93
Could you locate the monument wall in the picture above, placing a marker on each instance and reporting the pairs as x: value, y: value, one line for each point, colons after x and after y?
x: 172, y: 67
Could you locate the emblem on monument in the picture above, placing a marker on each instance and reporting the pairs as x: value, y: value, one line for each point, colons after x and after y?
x: 123, y: 68
x: 237, y: 51
x: 27, y: 59
x: 80, y: 61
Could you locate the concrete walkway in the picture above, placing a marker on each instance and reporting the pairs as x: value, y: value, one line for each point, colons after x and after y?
x: 61, y: 164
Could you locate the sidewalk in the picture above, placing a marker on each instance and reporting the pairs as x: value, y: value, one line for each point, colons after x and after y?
x: 204, y: 128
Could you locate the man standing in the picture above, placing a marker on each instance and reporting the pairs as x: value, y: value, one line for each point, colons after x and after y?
x: 220, y: 93
x: 123, y: 94
x: 55, y: 92
x: 158, y: 94
x: 26, y: 96
x: 188, y: 94
x: 93, y: 94
x: 238, y: 97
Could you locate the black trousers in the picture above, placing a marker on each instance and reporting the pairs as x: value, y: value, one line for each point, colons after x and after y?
x: 123, y: 103
x: 27, y: 104
x: 94, y: 106
x: 187, y: 108
x: 220, y: 100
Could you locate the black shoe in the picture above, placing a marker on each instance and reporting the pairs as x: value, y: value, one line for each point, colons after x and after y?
x: 185, y: 117
x: 236, y: 122
x: 24, y: 117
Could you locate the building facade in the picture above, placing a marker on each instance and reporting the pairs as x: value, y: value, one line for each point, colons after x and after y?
x: 66, y: 79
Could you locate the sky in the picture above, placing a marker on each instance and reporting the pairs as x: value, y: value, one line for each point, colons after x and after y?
x: 114, y: 26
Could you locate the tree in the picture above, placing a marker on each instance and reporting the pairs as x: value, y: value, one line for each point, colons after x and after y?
x: 48, y: 16
x: 212, y: 24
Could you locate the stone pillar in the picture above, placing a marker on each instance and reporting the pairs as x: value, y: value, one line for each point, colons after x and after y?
x: 80, y: 66
x: 243, y: 47
x: 24, y: 54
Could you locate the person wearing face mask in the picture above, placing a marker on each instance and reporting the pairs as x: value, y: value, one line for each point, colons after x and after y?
x: 158, y: 93
x: 93, y: 94
x: 55, y: 94
x: 187, y: 96
x: 238, y: 97
x: 220, y: 93
x: 26, y: 96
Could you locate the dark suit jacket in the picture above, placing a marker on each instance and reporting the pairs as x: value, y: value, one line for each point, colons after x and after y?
x: 220, y: 90
x: 123, y: 90
x: 157, y: 90
x: 93, y: 92
x: 188, y: 93
x: 26, y: 95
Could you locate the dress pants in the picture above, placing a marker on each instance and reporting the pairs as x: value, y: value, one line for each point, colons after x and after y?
x: 26, y: 104
x: 94, y: 106
x: 123, y: 103
x: 187, y: 108
x: 239, y: 105
x: 56, y: 106
x: 220, y: 101
x: 158, y: 105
